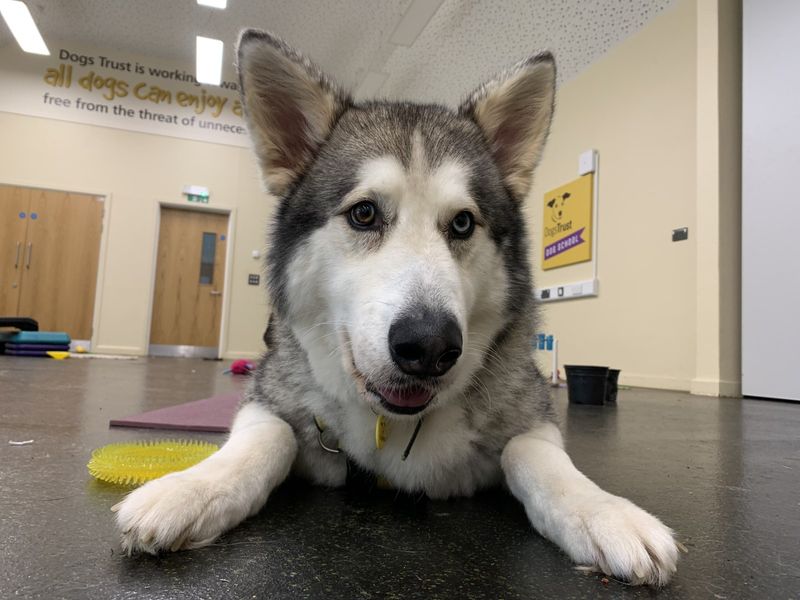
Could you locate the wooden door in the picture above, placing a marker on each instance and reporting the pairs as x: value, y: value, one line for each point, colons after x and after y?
x: 61, y: 257
x: 190, y: 274
x: 14, y: 209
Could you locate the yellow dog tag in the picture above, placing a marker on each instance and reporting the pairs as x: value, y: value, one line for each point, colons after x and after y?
x: 381, y: 432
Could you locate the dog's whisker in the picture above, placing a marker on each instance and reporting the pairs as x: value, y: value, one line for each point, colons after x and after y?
x: 378, y: 302
x: 321, y: 324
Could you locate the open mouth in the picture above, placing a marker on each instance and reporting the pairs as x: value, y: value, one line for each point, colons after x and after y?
x: 406, y: 401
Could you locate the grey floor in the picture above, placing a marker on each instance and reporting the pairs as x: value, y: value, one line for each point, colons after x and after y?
x: 724, y: 473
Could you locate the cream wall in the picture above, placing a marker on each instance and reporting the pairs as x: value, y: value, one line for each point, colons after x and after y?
x: 663, y: 110
x: 136, y: 171
x: 637, y: 107
x: 660, y: 108
x: 719, y: 193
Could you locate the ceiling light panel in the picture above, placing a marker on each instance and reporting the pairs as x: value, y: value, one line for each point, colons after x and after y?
x: 209, y: 60
x: 213, y: 3
x: 20, y: 22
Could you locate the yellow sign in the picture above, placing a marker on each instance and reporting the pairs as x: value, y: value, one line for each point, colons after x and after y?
x: 567, y: 224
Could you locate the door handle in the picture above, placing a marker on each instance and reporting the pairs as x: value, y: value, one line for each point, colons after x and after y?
x: 30, y: 253
x: 16, y: 260
x: 215, y: 293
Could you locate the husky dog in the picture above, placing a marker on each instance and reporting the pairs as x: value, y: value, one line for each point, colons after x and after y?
x: 403, y: 317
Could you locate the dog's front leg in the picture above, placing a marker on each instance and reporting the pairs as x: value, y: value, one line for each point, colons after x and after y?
x: 191, y: 508
x: 594, y: 527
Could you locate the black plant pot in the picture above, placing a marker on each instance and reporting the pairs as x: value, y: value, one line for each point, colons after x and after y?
x: 611, y: 386
x: 586, y: 385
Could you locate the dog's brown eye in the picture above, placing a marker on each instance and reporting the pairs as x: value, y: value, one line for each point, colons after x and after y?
x: 462, y: 225
x: 363, y: 215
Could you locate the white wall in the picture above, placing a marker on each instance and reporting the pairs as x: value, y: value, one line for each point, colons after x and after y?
x: 771, y: 202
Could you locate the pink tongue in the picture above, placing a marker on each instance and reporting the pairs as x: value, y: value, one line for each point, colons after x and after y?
x: 407, y: 397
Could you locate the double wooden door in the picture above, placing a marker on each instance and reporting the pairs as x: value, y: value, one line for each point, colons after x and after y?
x: 190, y: 276
x: 49, y: 251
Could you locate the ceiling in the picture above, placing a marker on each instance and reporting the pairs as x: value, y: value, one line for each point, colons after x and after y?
x: 461, y: 44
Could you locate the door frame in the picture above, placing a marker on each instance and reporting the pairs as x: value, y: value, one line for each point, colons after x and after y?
x: 230, y: 211
x: 101, y: 257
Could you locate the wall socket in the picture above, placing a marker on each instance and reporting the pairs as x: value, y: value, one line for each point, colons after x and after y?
x: 680, y: 234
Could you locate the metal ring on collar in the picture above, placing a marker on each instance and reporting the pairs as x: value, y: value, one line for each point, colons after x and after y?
x: 320, y: 429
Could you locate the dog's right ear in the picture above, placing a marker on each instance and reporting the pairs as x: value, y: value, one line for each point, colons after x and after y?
x: 290, y: 106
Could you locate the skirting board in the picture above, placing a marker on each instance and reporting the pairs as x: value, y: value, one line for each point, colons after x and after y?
x: 716, y: 387
x: 127, y: 350
x: 238, y: 354
x: 699, y: 387
x: 653, y: 381
x: 136, y: 351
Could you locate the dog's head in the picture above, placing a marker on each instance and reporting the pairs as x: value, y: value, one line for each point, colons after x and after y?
x: 398, y: 251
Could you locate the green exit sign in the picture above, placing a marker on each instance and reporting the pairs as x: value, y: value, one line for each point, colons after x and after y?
x: 196, y: 193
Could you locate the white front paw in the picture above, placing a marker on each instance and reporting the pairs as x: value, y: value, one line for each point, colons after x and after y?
x: 620, y: 539
x: 180, y: 511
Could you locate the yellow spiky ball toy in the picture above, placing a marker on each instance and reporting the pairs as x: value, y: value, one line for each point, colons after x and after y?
x: 138, y: 462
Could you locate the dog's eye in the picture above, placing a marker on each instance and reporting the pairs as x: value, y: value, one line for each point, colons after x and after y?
x: 462, y: 225
x: 363, y: 215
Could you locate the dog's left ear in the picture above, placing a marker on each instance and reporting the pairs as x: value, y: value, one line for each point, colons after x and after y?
x: 290, y: 106
x: 514, y: 111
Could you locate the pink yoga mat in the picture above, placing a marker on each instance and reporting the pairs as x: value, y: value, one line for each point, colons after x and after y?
x: 210, y: 414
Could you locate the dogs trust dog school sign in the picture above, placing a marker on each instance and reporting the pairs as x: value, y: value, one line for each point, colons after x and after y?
x: 567, y: 224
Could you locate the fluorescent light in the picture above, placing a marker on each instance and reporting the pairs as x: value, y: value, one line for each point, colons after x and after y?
x: 209, y: 60
x: 213, y: 3
x: 20, y: 22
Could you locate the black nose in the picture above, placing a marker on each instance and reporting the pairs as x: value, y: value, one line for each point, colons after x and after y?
x: 425, y: 342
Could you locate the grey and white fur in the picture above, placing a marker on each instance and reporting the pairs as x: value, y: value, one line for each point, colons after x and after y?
x: 400, y: 279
